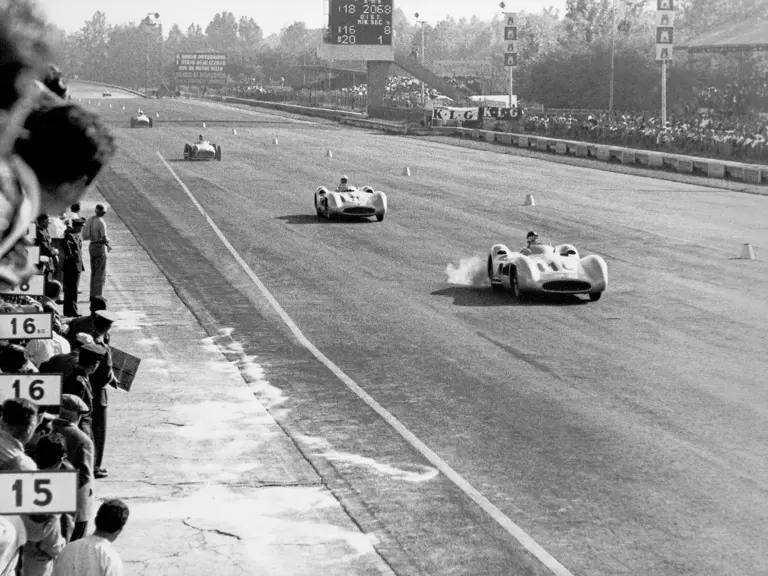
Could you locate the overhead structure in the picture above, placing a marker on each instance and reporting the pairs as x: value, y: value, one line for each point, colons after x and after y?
x: 747, y: 36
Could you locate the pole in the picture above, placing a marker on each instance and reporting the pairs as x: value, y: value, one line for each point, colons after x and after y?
x: 663, y: 93
x: 511, y: 87
x: 613, y: 59
x: 423, y: 102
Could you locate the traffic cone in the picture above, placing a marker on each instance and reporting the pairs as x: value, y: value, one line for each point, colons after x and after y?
x: 407, y: 171
x: 329, y: 154
x: 157, y: 114
x: 123, y: 108
x: 110, y: 105
x: 234, y: 131
x: 529, y: 201
x: 274, y: 140
x: 747, y: 253
x: 204, y: 126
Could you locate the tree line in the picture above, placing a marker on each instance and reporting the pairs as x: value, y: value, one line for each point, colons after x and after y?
x: 564, y: 60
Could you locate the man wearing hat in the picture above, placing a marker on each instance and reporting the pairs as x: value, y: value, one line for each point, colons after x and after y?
x: 85, y: 323
x: 78, y: 383
x: 80, y: 455
x: 100, y: 380
x: 95, y: 230
x: 73, y: 265
x: 64, y: 363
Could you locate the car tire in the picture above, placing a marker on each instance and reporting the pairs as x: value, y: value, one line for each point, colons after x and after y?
x: 151, y: 123
x: 318, y: 209
x: 595, y: 296
x: 515, y: 287
x: 380, y: 217
x: 218, y: 153
x: 133, y: 124
x: 490, y: 274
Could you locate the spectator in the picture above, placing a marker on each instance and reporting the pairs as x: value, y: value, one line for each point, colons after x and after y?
x: 17, y: 425
x: 94, y: 555
x: 37, y: 557
x: 56, y: 228
x: 77, y: 382
x: 73, y: 265
x: 85, y: 323
x: 52, y: 455
x: 95, y: 230
x: 100, y: 379
x: 13, y: 360
x: 43, y: 240
x: 64, y: 171
x: 64, y: 363
x: 40, y: 350
x: 79, y: 449
x: 73, y: 212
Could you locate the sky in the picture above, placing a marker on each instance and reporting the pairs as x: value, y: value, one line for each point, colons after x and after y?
x: 270, y: 15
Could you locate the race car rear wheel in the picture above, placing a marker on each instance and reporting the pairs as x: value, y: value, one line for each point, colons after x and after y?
x: 490, y: 274
x: 318, y: 209
x: 151, y: 123
x: 380, y: 217
x: 595, y: 296
x: 515, y: 286
x: 186, y: 151
x: 217, y: 154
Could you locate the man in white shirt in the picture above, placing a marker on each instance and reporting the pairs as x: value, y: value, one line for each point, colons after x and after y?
x: 94, y: 554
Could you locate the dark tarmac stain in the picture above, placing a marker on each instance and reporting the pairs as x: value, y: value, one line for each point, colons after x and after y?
x: 521, y: 356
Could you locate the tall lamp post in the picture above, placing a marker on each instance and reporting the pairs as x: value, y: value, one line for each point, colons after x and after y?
x: 613, y: 57
x: 511, y: 68
x: 422, y: 22
x: 150, y: 28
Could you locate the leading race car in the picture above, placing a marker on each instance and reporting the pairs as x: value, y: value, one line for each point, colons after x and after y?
x: 141, y: 120
x: 547, y: 269
x: 349, y: 200
x: 202, y: 150
x: 106, y: 94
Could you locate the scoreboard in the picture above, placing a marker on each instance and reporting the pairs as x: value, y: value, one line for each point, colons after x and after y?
x: 361, y: 22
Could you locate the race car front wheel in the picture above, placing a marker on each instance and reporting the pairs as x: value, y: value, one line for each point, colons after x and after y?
x: 595, y: 296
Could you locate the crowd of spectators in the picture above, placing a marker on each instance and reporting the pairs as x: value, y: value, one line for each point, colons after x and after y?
x: 737, y: 98
x: 701, y: 134
x: 41, y: 182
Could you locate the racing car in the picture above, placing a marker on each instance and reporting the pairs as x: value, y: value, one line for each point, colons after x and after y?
x: 351, y: 201
x: 202, y: 151
x: 141, y: 120
x: 106, y: 94
x: 547, y: 269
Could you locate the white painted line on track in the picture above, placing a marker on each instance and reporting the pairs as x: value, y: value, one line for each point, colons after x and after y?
x: 505, y: 522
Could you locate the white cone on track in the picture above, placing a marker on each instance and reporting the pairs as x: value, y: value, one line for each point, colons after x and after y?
x: 234, y: 131
x: 329, y: 154
x: 123, y: 108
x: 407, y: 171
x: 157, y: 114
x: 204, y: 126
x: 110, y: 105
x: 529, y: 201
x: 747, y: 253
x: 274, y: 140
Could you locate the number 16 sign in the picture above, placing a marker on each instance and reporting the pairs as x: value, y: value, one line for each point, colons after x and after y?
x: 46, y: 492
x: 40, y: 389
x: 30, y: 326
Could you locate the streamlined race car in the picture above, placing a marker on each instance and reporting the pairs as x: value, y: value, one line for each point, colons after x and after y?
x: 547, y: 269
x: 141, y: 120
x: 202, y: 151
x: 352, y: 201
x: 106, y: 94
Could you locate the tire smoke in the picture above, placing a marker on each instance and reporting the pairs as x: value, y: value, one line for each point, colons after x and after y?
x: 469, y: 272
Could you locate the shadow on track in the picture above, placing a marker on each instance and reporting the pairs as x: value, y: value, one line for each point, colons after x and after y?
x: 484, y: 296
x: 314, y: 219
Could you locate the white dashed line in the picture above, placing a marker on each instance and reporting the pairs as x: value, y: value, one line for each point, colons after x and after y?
x: 502, y: 519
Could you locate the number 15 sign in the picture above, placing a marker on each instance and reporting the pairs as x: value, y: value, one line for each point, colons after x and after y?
x: 46, y: 492
x: 31, y: 326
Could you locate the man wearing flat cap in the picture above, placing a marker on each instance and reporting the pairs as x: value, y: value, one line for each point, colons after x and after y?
x: 85, y: 323
x: 72, y: 247
x: 78, y: 383
x: 100, y: 380
x: 64, y: 363
x: 80, y: 455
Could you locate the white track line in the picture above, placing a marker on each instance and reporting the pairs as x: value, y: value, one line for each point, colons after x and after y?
x: 505, y: 522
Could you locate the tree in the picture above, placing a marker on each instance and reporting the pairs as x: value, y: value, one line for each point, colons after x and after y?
x: 194, y: 39
x: 587, y: 20
x: 221, y: 32
x: 90, y: 45
x: 250, y: 33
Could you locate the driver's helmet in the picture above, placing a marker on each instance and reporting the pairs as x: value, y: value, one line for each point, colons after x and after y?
x: 344, y: 179
x: 531, y: 237
x: 141, y: 111
x: 200, y: 138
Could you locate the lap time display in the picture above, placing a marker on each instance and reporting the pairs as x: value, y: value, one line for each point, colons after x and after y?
x: 361, y: 22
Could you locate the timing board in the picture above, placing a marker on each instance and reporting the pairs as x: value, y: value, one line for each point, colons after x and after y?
x: 359, y: 30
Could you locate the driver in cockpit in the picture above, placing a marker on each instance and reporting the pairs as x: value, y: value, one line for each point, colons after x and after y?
x: 200, y: 139
x: 530, y: 239
x: 343, y: 184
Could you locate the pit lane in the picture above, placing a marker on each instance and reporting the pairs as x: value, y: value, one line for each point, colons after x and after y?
x: 625, y: 436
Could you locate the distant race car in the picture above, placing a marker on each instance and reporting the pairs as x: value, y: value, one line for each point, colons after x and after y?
x: 202, y: 151
x: 547, y: 269
x: 357, y: 202
x: 141, y: 120
x: 106, y: 94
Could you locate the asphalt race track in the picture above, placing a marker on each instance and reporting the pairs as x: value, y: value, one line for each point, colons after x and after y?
x: 625, y: 436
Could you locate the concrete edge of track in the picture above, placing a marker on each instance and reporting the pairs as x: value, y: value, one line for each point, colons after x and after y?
x: 113, y: 86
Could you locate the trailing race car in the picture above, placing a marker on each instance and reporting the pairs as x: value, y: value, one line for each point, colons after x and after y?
x: 544, y: 269
x: 141, y: 120
x: 350, y: 201
x: 202, y: 150
x: 106, y: 94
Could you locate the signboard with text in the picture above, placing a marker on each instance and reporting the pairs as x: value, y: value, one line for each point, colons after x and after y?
x: 40, y: 389
x: 39, y: 492
x: 205, y: 68
x: 359, y: 30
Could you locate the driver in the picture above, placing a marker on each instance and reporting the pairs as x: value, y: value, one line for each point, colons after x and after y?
x: 200, y: 139
x: 343, y: 184
x: 530, y: 239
